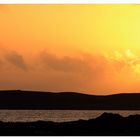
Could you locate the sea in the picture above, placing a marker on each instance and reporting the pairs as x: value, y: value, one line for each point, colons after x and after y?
x: 57, y: 115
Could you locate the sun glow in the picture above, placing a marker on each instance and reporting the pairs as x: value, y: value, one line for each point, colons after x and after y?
x: 126, y: 60
x: 86, y: 47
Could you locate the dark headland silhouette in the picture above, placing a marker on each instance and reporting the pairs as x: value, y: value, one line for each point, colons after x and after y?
x: 107, y: 124
x: 17, y: 99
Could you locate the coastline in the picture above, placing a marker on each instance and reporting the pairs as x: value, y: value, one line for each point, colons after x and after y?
x: 108, y: 124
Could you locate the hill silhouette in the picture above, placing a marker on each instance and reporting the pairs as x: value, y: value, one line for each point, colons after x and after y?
x: 17, y: 99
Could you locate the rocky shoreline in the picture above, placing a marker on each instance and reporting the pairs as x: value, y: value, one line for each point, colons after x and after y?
x: 107, y: 124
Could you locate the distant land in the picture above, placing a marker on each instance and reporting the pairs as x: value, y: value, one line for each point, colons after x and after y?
x: 17, y: 99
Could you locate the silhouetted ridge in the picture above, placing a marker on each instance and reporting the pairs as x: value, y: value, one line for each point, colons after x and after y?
x: 17, y: 99
x: 109, y: 116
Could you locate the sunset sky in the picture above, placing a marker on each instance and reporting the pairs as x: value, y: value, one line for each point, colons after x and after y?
x: 85, y: 48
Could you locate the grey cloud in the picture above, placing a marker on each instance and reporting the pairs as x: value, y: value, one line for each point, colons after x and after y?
x: 80, y: 73
x: 66, y: 64
x: 16, y: 59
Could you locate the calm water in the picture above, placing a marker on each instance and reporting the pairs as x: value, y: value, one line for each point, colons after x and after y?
x: 54, y: 115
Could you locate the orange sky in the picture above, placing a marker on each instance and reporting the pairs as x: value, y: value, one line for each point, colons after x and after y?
x: 83, y: 48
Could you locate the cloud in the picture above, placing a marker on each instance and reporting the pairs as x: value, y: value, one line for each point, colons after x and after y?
x: 66, y: 64
x: 89, y: 73
x: 125, y: 62
x: 82, y: 73
x: 16, y: 59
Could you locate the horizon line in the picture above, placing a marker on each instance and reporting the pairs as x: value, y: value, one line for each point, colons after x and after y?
x: 59, y: 92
